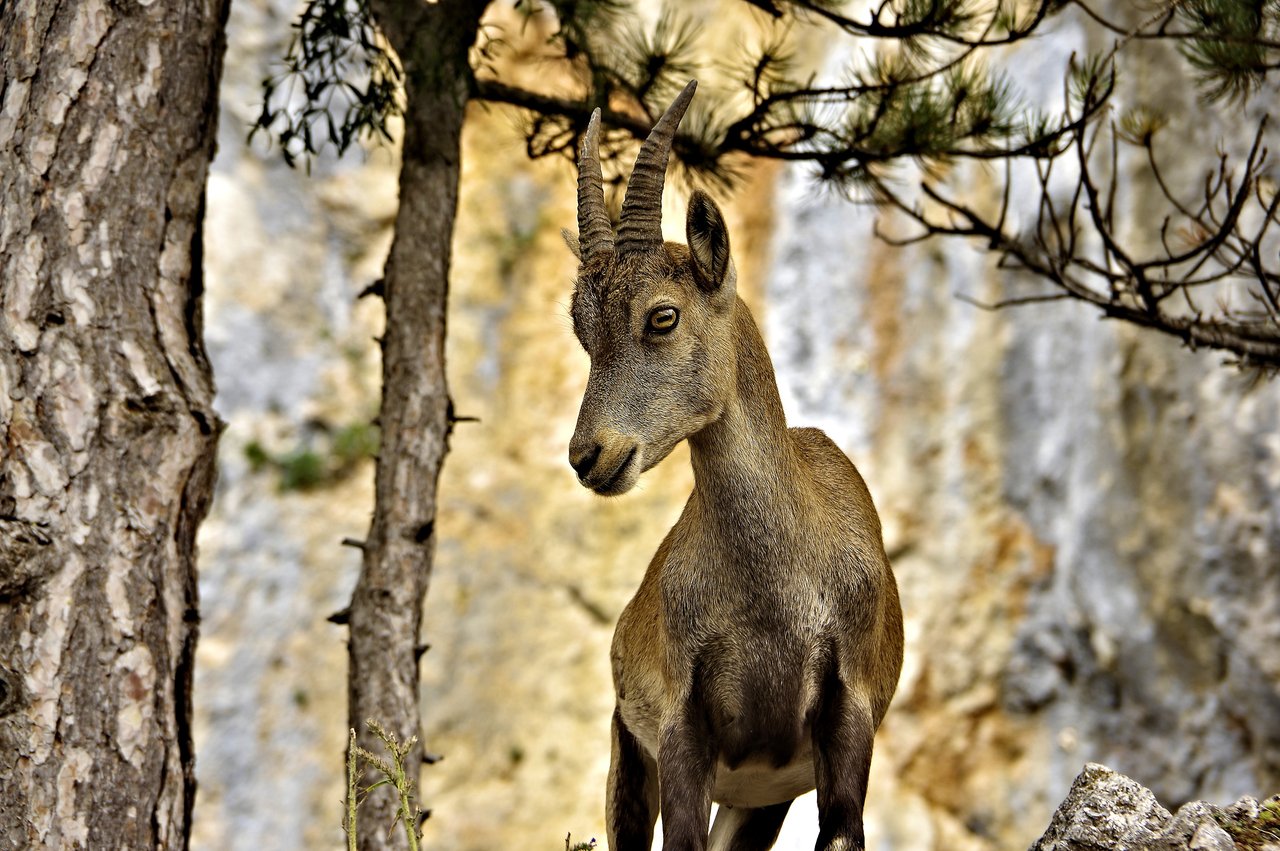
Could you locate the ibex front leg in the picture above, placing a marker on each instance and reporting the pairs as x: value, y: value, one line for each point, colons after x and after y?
x: 631, y: 799
x: 842, y: 737
x: 686, y: 766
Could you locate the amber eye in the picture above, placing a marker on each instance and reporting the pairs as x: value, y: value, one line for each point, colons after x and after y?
x: 663, y: 319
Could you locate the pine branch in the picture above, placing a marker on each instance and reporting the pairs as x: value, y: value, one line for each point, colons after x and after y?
x: 578, y: 111
x: 951, y: 21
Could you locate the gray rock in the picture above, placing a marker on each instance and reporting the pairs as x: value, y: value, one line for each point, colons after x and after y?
x: 1193, y: 822
x: 1210, y: 837
x: 1104, y: 810
x: 1245, y: 809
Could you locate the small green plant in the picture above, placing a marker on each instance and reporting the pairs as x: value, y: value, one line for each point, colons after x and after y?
x: 318, y: 460
x: 1257, y: 833
x: 579, y: 846
x: 354, y: 442
x: 302, y: 470
x: 256, y: 455
x: 392, y: 774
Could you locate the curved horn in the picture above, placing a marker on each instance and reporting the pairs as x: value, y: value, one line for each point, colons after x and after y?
x: 595, y: 233
x: 642, y: 208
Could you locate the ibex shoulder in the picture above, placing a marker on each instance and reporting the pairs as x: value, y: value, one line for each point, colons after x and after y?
x: 834, y: 474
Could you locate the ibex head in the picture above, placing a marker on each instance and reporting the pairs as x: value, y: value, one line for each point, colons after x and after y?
x: 654, y: 317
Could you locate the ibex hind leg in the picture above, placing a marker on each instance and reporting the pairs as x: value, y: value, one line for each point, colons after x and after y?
x: 842, y: 739
x: 631, y: 799
x: 747, y: 828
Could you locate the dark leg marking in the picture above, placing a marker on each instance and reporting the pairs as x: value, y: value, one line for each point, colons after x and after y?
x: 686, y: 766
x: 842, y: 739
x: 631, y: 799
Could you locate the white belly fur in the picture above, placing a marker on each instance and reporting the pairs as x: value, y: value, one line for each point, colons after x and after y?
x: 752, y: 784
x: 755, y: 784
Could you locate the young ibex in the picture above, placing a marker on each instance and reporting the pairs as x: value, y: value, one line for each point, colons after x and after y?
x: 760, y: 653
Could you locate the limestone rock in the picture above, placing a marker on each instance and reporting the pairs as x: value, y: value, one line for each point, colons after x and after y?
x: 1106, y: 811
x: 1194, y: 826
x: 1210, y: 837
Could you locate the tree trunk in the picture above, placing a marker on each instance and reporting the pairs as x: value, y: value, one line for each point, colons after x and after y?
x: 107, y: 431
x: 432, y: 41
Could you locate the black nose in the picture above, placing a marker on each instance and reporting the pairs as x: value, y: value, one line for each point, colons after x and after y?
x: 583, y: 465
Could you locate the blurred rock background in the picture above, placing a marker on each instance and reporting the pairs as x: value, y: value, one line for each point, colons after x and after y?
x: 1082, y: 516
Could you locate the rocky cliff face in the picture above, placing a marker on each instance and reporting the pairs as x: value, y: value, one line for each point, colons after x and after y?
x: 1083, y: 518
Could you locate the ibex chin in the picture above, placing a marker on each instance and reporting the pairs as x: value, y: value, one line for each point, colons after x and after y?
x: 760, y: 653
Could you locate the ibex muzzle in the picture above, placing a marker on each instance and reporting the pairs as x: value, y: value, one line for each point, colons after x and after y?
x: 760, y: 653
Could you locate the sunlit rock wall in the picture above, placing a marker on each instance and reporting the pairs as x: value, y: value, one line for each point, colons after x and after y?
x: 1083, y: 515
x: 1083, y: 518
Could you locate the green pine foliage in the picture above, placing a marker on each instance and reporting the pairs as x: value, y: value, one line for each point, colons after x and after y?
x: 931, y: 85
x: 925, y: 90
x: 338, y: 84
x: 1237, y: 43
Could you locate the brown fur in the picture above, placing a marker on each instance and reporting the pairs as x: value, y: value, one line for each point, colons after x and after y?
x: 761, y: 651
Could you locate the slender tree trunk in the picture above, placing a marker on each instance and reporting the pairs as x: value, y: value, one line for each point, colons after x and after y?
x: 432, y: 41
x: 107, y: 431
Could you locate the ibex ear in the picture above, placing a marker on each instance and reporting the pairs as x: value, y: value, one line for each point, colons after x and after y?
x: 708, y: 241
x: 571, y: 240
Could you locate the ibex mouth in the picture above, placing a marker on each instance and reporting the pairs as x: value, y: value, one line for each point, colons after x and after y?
x: 609, y: 486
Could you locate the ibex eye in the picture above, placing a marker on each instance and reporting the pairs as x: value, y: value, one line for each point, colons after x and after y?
x: 663, y: 319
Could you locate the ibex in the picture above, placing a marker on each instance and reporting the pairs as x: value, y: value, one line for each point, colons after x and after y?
x: 760, y: 653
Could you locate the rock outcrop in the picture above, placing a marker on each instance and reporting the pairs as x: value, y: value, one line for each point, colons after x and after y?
x: 1106, y: 811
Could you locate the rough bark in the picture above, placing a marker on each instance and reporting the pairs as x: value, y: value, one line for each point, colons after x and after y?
x: 432, y: 41
x: 107, y: 432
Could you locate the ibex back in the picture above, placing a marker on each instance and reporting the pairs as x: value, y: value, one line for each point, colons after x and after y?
x: 760, y: 653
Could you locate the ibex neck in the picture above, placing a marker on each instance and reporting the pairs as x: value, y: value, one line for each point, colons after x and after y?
x: 744, y: 462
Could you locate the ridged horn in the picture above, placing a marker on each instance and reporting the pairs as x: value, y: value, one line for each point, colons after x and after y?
x: 595, y: 233
x: 641, y: 224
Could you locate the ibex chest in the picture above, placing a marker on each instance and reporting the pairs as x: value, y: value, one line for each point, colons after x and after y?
x: 758, y: 577
x: 753, y: 640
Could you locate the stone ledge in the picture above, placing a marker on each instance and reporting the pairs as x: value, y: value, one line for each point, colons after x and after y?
x: 1106, y: 811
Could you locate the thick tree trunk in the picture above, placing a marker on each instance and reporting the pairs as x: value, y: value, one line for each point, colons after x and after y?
x: 432, y: 41
x: 107, y: 431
